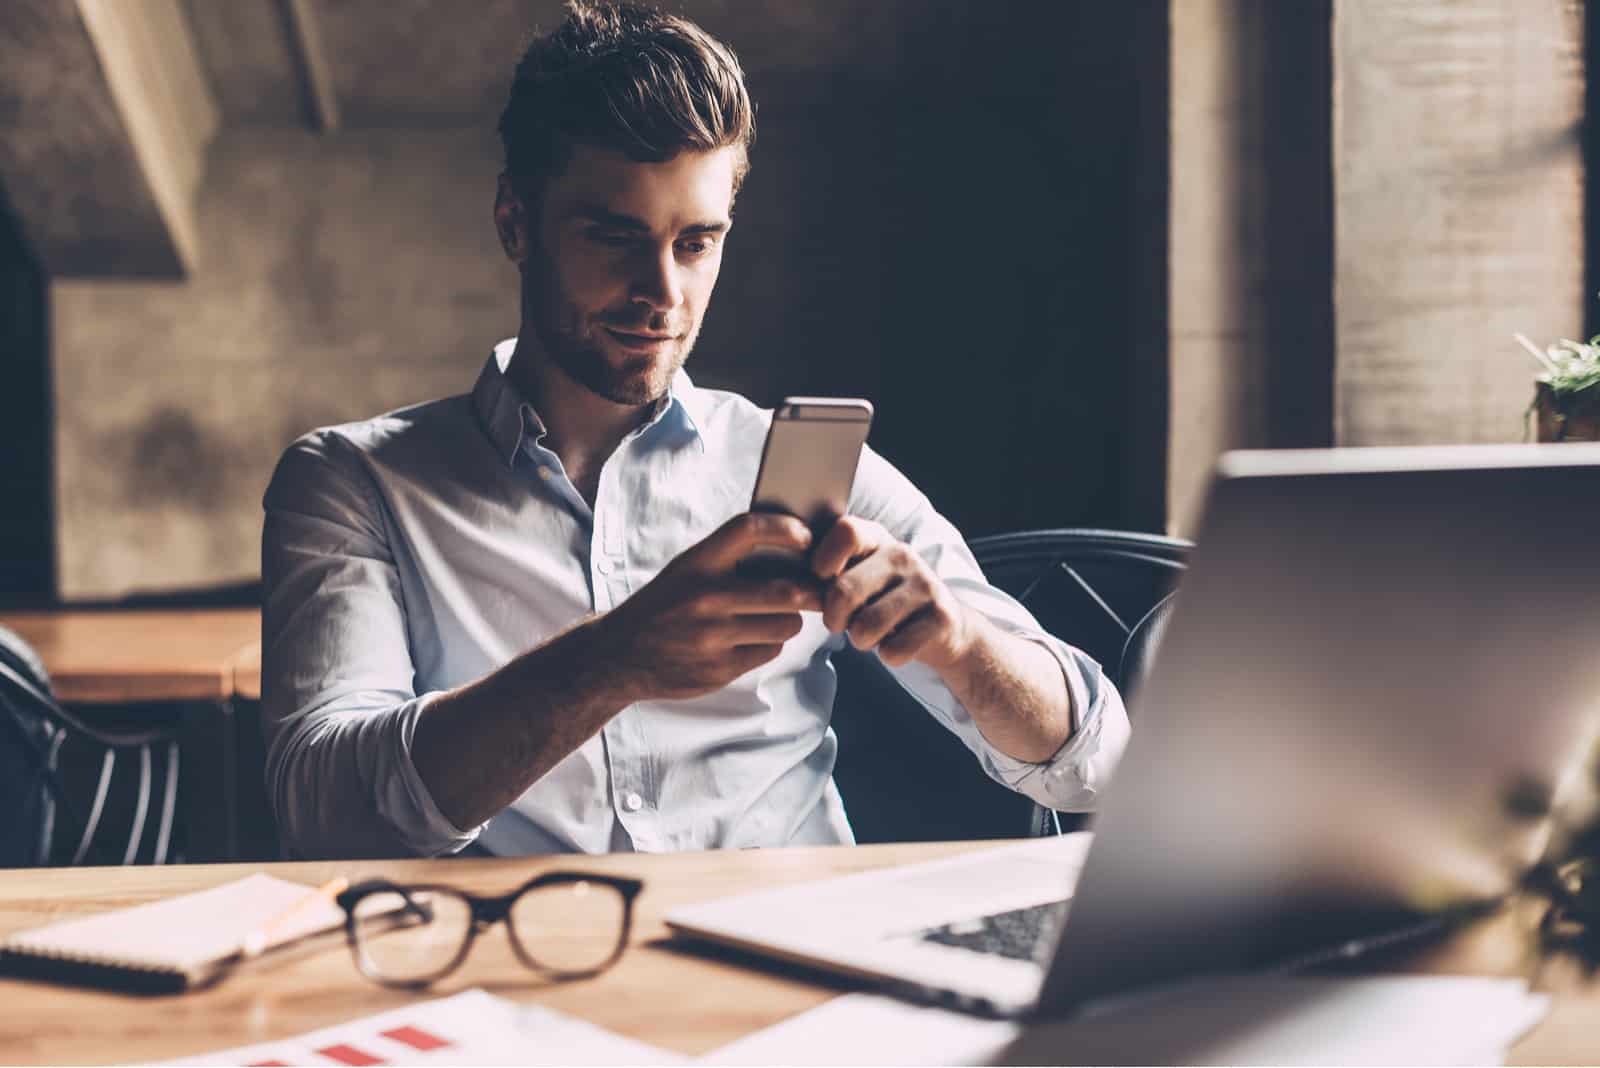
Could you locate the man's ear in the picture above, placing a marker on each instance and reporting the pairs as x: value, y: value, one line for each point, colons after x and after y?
x: 511, y: 221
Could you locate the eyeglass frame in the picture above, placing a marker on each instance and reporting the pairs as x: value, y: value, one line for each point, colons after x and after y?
x: 485, y: 913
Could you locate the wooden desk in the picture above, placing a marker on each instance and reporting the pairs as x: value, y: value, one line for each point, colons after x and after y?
x: 247, y: 672
x: 179, y: 665
x: 143, y: 655
x: 682, y: 1002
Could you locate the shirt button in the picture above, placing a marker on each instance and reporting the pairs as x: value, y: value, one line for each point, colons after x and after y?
x: 633, y: 802
x: 605, y: 567
x: 544, y: 474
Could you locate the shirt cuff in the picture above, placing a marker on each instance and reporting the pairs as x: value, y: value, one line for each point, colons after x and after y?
x: 405, y: 801
x: 1075, y: 775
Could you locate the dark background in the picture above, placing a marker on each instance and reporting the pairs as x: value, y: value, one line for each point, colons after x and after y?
x: 27, y: 517
x: 968, y: 245
x: 962, y: 218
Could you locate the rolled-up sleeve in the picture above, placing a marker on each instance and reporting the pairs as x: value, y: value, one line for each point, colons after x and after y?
x: 1073, y: 777
x: 339, y: 707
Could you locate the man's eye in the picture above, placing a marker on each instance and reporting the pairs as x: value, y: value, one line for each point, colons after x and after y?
x: 696, y: 246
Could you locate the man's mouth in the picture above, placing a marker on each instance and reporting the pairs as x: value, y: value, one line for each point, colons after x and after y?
x: 641, y: 342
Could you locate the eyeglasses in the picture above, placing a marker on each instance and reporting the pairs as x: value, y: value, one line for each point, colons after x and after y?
x: 564, y: 924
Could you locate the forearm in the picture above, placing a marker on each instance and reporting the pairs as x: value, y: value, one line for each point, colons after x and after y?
x: 691, y: 630
x: 1014, y: 691
x: 479, y: 747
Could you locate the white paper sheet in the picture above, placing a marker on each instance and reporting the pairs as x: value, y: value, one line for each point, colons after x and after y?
x: 871, y: 1029
x: 472, y: 1027
x: 1366, y: 1020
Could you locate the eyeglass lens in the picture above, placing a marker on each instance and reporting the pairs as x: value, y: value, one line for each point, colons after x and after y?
x: 413, y: 936
x: 569, y: 927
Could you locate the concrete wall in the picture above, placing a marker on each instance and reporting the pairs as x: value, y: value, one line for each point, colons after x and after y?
x: 1251, y: 237
x: 164, y: 99
x: 957, y: 209
x: 1459, y: 211
x: 962, y: 232
x: 1368, y: 198
x: 338, y: 277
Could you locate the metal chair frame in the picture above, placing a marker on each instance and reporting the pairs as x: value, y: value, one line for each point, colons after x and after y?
x: 58, y: 725
x: 1066, y: 552
x: 1115, y: 577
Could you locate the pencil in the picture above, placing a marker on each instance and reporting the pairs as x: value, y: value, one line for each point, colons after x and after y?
x: 256, y: 941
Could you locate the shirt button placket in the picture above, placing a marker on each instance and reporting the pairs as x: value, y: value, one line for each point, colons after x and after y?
x: 627, y: 759
x: 611, y: 541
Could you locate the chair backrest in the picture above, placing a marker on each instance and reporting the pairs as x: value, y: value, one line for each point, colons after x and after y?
x: 903, y: 777
x: 27, y: 785
x: 1140, y: 648
x: 72, y: 793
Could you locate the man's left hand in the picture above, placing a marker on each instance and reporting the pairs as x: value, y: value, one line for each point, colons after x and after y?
x: 885, y: 597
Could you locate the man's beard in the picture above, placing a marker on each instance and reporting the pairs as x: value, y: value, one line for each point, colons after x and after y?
x: 571, y: 342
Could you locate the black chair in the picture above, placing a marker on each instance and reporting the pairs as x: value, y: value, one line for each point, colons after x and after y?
x: 904, y: 777
x: 1140, y: 648
x: 72, y: 793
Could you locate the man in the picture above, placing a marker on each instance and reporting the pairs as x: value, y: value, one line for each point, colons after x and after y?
x: 514, y: 618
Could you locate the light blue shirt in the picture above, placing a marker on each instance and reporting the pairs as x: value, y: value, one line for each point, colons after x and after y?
x: 415, y: 552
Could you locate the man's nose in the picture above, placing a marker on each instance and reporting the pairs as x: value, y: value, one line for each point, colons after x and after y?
x: 658, y: 281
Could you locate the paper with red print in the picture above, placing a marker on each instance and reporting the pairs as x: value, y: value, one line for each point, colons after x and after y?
x: 473, y: 1027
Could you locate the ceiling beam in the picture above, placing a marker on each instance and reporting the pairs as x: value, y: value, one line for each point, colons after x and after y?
x: 305, y: 38
x: 101, y: 176
x: 155, y: 79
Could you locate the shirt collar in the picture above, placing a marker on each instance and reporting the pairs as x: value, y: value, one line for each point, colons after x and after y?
x: 509, y: 419
x: 682, y: 413
x: 498, y: 405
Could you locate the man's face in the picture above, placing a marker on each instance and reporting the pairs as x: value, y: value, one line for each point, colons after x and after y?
x: 621, y: 265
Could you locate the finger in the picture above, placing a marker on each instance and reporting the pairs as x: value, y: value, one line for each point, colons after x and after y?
x: 847, y: 541
x: 902, y: 646
x: 857, y: 587
x: 747, y: 658
x: 776, y: 627
x: 732, y: 542
x: 758, y: 596
x: 877, y: 620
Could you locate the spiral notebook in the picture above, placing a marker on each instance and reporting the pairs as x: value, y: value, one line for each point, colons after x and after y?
x: 168, y: 945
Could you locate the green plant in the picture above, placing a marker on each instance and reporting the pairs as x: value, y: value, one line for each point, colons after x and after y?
x: 1567, y: 388
x: 1567, y: 367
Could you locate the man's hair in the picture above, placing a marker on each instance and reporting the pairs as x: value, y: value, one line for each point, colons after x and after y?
x: 628, y: 78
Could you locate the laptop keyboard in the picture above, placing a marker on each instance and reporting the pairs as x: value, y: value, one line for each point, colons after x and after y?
x: 1020, y: 934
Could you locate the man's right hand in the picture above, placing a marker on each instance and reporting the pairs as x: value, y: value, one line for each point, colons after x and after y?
x: 698, y: 625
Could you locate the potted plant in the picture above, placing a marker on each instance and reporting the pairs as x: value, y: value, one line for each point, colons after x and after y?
x: 1566, y: 399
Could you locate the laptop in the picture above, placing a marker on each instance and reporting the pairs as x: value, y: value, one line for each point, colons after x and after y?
x: 1380, y: 670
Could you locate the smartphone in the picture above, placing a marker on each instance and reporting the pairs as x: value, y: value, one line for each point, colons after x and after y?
x: 807, y: 468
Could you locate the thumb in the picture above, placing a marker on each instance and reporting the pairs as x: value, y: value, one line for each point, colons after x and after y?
x: 733, y: 541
